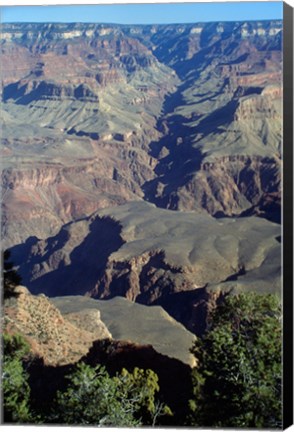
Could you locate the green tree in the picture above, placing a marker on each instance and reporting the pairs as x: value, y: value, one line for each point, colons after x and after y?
x: 137, y: 389
x: 15, y: 387
x: 92, y: 397
x: 10, y: 277
x: 237, y: 381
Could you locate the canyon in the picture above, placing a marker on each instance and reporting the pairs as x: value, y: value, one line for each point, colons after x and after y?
x: 142, y: 162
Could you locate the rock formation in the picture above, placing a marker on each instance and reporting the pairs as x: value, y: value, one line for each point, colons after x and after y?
x: 94, y: 115
x: 136, y: 159
x: 147, y: 326
x: 58, y: 340
x: 155, y: 256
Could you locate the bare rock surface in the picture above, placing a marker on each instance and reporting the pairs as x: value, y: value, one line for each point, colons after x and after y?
x: 127, y: 250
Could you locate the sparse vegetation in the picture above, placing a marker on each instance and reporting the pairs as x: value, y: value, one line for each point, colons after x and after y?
x: 91, y: 396
x: 134, y: 161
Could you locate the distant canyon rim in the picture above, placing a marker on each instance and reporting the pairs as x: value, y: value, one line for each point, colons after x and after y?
x: 143, y: 161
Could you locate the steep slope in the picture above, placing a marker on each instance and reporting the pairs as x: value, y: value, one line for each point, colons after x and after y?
x: 99, y: 120
x: 73, y: 331
x: 62, y: 330
x: 223, y: 126
x: 77, y: 121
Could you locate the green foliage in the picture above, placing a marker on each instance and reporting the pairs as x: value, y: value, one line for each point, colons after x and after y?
x: 10, y: 277
x: 92, y: 397
x: 15, y: 387
x: 237, y: 382
x: 139, y: 388
x: 15, y: 346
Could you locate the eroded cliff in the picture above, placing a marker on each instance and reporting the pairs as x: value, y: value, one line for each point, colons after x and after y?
x: 95, y: 115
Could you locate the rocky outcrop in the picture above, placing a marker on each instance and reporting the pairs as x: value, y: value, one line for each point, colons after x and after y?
x: 230, y: 185
x: 26, y: 91
x: 260, y: 105
x: 38, y: 199
x: 58, y: 340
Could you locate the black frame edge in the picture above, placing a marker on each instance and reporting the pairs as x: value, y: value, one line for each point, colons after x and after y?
x: 287, y: 228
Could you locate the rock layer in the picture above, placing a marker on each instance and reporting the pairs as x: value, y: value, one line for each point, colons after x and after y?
x: 186, y: 116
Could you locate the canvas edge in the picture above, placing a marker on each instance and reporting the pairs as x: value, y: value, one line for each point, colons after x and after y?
x: 287, y: 228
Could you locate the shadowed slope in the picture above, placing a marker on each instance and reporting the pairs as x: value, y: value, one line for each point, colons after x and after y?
x: 152, y: 255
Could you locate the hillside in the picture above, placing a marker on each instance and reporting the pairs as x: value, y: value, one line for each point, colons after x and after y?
x: 63, y: 330
x: 58, y: 340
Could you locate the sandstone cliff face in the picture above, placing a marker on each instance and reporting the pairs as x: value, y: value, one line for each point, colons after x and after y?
x: 25, y: 91
x: 77, y: 126
x: 230, y: 185
x: 38, y: 199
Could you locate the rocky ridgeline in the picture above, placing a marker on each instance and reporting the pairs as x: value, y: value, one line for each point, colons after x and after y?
x: 50, y: 91
x: 230, y: 185
x: 58, y: 340
x: 64, y: 330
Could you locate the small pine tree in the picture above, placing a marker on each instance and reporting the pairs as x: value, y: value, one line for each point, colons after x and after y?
x: 92, y: 398
x: 138, y: 390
